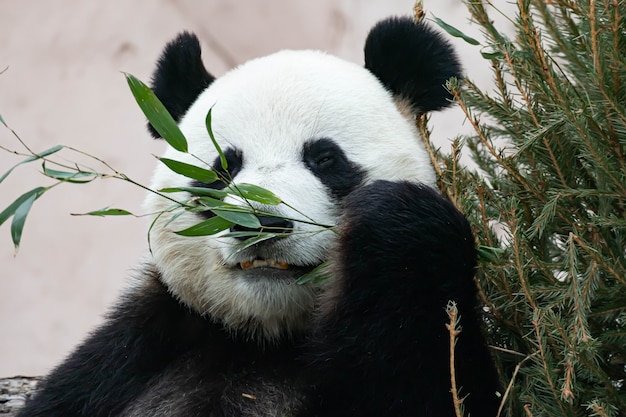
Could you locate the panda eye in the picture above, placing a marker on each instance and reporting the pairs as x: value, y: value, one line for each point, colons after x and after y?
x: 325, y: 161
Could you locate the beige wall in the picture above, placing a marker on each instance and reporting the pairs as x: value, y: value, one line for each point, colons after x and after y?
x: 63, y: 86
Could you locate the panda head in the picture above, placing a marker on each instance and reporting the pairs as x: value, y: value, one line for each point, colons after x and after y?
x: 307, y: 126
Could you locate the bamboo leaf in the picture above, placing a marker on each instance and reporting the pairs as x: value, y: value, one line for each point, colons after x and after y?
x: 255, y: 193
x: 209, y: 129
x: 257, y: 237
x: 11, y: 209
x: 197, y: 191
x: 106, y: 212
x: 235, y: 214
x: 212, y: 203
x: 174, y: 217
x: 455, y: 32
x: 31, y: 159
x: 316, y: 276
x: 73, y: 177
x: 239, y: 217
x: 157, y: 114
x: 487, y: 254
x: 492, y: 55
x: 208, y: 227
x: 45, y: 153
x: 250, y: 234
x: 190, y: 171
x: 19, y: 218
x: 246, y: 191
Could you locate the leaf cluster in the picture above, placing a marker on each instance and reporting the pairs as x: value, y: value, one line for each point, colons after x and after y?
x: 224, y: 215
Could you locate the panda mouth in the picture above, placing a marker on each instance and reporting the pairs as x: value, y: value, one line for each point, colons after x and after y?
x: 260, y: 263
x: 264, y: 263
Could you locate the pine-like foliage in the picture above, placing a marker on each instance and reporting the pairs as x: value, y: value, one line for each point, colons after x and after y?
x: 550, y: 144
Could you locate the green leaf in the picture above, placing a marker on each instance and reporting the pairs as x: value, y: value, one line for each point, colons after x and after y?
x: 197, y: 191
x: 253, y: 240
x: 174, y: 217
x: 19, y: 218
x: 223, y: 161
x: 2, y: 121
x: 246, y: 191
x: 154, y: 222
x: 232, y: 213
x: 106, y: 212
x: 255, y: 193
x: 208, y: 227
x: 239, y: 217
x: 212, y: 203
x: 157, y: 114
x: 492, y: 55
x: 31, y: 159
x: 47, y: 152
x: 251, y: 234
x: 190, y: 171
x: 316, y: 276
x: 455, y: 32
x: 73, y: 177
x: 488, y: 254
x: 10, y: 210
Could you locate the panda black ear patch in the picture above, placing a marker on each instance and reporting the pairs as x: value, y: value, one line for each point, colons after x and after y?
x: 413, y: 61
x: 180, y: 76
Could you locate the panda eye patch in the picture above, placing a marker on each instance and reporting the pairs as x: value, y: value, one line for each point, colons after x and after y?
x: 234, y: 158
x: 327, y: 161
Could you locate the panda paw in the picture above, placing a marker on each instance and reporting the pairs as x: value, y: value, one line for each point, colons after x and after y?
x: 404, y: 252
x: 402, y: 230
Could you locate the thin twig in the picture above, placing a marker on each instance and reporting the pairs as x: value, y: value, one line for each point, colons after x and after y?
x: 453, y: 312
x: 510, y: 386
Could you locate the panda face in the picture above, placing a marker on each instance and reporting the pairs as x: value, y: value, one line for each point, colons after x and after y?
x: 307, y: 126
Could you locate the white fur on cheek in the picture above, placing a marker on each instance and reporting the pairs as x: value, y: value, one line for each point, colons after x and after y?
x: 194, y: 272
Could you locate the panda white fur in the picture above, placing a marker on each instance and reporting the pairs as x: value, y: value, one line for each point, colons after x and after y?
x: 210, y: 331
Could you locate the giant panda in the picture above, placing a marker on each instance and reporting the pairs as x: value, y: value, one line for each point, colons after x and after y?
x: 209, y: 330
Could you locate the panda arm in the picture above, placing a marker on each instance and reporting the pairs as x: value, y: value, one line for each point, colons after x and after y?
x: 143, y: 333
x: 381, y: 346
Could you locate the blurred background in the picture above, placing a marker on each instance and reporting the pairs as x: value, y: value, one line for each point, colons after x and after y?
x: 61, y: 83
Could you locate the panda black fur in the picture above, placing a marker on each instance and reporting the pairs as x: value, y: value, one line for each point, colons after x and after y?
x: 198, y: 335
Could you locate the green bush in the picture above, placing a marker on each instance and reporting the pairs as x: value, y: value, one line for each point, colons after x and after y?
x: 550, y: 193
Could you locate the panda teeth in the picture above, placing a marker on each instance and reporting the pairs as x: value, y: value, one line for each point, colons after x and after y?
x: 259, y: 263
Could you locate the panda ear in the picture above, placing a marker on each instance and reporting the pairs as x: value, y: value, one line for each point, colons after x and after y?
x: 413, y: 61
x: 180, y: 76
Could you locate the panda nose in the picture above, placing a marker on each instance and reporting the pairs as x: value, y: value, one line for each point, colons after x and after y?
x: 269, y: 224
